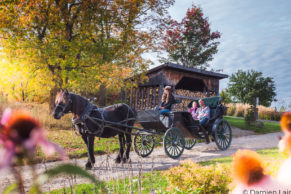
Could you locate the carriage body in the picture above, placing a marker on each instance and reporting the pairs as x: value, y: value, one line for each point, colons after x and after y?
x: 181, y: 130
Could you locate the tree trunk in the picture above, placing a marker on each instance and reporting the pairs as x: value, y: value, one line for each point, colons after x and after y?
x: 53, y: 93
x: 102, y: 93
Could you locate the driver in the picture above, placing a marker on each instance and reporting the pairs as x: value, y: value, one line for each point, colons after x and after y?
x: 167, y: 101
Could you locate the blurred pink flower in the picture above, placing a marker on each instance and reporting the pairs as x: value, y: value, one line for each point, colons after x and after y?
x: 285, y: 169
x: 285, y: 144
x: 249, y: 174
x: 286, y: 122
x: 265, y: 184
x: 5, y: 116
x: 20, y: 133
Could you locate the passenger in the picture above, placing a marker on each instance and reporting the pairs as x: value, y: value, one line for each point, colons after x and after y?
x: 203, y: 116
x: 167, y: 101
x: 203, y: 113
x: 193, y: 110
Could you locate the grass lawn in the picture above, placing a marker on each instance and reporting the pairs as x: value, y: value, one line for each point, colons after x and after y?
x: 157, y: 182
x: 75, y: 147
x: 269, y: 127
x: 145, y: 183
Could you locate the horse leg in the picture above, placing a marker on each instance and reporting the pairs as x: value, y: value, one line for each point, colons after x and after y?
x: 128, y: 146
x: 121, y: 146
x: 91, y: 159
x: 89, y: 140
x: 84, y: 137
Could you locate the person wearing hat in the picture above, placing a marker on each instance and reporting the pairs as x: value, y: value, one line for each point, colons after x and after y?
x: 167, y: 101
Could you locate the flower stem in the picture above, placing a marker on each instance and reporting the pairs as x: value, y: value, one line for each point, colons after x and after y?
x: 19, y: 180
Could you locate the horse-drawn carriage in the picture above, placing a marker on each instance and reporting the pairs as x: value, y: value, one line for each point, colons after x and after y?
x: 181, y: 130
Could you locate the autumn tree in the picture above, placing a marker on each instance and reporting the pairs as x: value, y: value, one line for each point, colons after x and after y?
x: 81, y: 44
x: 191, y: 41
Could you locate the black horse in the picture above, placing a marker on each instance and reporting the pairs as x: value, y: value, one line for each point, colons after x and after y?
x: 83, y: 112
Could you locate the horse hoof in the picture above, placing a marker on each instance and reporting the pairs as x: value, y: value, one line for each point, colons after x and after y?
x: 126, y: 160
x: 117, y: 160
x: 88, y: 166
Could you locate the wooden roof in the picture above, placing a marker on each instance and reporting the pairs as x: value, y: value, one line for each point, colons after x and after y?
x: 182, y: 68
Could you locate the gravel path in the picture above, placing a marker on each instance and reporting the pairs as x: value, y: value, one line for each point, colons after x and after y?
x: 106, y: 169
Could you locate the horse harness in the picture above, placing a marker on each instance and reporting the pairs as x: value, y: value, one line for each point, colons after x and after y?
x: 77, y: 122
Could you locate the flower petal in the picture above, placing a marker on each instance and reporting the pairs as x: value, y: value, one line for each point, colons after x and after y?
x: 285, y: 144
x: 38, y: 137
x: 49, y: 148
x: 6, y: 156
x: 5, y: 116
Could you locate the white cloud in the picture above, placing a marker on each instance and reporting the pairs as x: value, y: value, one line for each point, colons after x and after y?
x: 255, y: 35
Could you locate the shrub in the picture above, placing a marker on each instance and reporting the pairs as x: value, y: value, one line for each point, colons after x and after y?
x: 230, y: 110
x: 240, y: 110
x: 270, y: 115
x: 192, y: 177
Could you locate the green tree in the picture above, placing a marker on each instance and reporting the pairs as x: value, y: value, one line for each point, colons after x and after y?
x: 225, y: 97
x: 80, y: 44
x: 282, y: 109
x: 245, y: 86
x: 191, y: 42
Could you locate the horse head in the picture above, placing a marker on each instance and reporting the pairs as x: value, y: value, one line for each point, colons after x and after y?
x: 63, y: 104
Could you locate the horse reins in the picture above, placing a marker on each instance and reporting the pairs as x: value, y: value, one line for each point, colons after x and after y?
x: 104, y: 122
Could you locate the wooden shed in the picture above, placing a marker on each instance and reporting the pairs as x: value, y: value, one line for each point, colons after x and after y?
x: 187, y: 83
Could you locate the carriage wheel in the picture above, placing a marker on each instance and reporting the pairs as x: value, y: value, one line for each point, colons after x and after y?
x: 174, y: 143
x: 143, y: 144
x: 223, y: 135
x: 189, y: 143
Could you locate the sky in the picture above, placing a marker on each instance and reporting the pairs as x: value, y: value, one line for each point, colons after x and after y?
x: 256, y: 34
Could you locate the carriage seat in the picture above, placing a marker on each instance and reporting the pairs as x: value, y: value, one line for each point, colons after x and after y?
x: 216, y: 109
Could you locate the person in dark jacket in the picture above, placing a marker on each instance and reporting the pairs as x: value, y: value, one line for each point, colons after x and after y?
x: 167, y: 101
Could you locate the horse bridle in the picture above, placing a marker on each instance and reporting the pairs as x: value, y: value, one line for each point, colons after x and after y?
x: 65, y: 106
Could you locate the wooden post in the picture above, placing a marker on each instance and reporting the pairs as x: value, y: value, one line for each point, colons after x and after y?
x: 130, y: 98
x: 122, y: 95
x: 125, y: 96
x: 256, y: 115
x: 148, y: 98
x: 142, y: 98
x: 173, y: 91
x: 161, y: 89
x: 102, y: 94
x: 136, y: 97
x: 151, y: 97
x: 154, y: 95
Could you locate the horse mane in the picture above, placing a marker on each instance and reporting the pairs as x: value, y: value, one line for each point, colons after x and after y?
x: 79, y: 103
